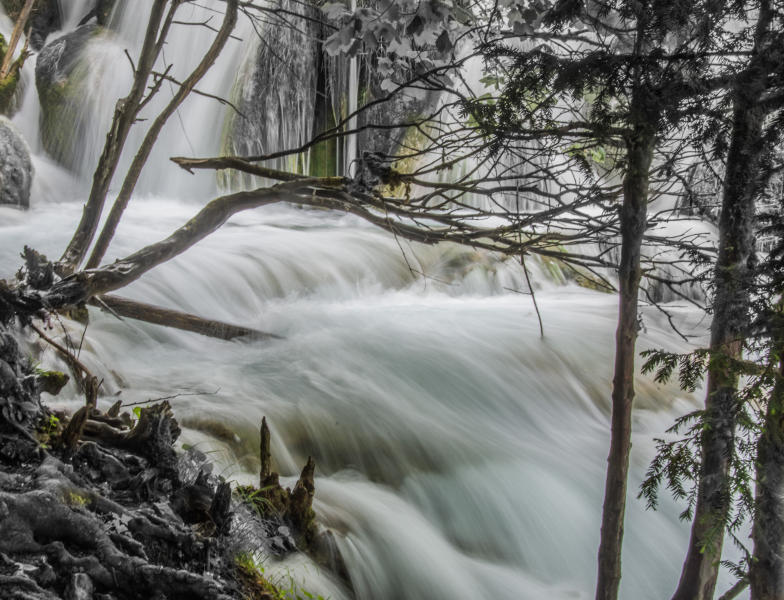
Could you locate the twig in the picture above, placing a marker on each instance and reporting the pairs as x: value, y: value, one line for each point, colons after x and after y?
x: 736, y: 589
x: 533, y: 295
x: 215, y: 393
x: 72, y: 361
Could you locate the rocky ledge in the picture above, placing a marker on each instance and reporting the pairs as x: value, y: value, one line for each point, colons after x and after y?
x: 100, y: 505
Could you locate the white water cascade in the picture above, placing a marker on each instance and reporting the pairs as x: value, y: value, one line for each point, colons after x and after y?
x: 459, y: 456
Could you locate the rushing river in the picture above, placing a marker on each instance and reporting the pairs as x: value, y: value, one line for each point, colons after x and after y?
x: 459, y: 455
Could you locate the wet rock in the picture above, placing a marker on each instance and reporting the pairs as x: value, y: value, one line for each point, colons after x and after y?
x: 402, y: 108
x: 276, y: 90
x: 44, y: 19
x: 103, y: 11
x: 58, y: 80
x: 51, y: 382
x: 80, y: 587
x: 8, y: 381
x: 16, y: 168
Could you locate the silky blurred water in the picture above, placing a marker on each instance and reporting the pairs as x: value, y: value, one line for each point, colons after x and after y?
x: 459, y: 455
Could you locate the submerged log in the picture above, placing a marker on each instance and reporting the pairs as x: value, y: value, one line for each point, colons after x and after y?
x: 149, y: 313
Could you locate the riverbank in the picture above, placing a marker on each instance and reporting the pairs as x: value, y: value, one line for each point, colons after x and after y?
x: 99, y: 504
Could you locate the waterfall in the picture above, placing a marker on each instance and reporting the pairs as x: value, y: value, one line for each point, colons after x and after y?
x: 353, y: 94
x: 459, y: 455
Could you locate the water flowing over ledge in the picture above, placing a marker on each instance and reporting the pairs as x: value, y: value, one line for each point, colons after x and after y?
x: 459, y: 455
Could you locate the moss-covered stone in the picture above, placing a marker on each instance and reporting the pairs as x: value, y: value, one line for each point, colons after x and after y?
x: 60, y: 83
x: 51, y: 382
x: 9, y: 85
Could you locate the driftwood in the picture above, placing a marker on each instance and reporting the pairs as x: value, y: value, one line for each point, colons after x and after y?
x: 158, y: 315
x: 152, y: 437
x: 74, y: 429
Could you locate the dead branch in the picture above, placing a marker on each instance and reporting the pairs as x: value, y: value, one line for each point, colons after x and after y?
x: 81, y: 373
x: 19, y: 27
x: 149, y: 313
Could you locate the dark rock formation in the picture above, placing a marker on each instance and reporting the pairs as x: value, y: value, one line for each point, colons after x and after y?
x: 16, y: 168
x: 44, y: 19
x: 92, y: 508
x: 276, y: 90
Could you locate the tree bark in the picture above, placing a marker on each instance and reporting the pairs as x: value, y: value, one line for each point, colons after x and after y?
x: 158, y: 315
x: 19, y: 26
x: 125, y: 113
x: 766, y: 573
x: 633, y: 219
x: 732, y: 280
x: 135, y: 170
x: 80, y: 287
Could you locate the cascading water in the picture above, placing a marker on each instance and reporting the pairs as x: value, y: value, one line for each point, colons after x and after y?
x: 353, y: 94
x: 459, y: 455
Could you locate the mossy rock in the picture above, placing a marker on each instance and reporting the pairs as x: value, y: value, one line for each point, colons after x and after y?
x: 8, y: 95
x: 276, y: 92
x: 8, y: 86
x: 59, y: 78
x: 51, y: 381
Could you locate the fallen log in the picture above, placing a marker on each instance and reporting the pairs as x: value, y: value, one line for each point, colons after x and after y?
x: 150, y: 313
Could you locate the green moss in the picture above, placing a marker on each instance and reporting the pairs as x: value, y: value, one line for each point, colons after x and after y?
x: 62, y: 102
x: 76, y: 499
x: 10, y: 84
x: 256, y: 585
x: 8, y: 87
x: 560, y: 272
x: 58, y: 101
x: 51, y: 381
x: 324, y: 155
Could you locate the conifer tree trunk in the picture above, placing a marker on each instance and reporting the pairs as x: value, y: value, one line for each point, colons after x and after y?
x: 730, y: 319
x: 766, y: 573
x: 633, y: 217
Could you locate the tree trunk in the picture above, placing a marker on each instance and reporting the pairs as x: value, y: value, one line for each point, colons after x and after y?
x: 19, y: 26
x: 766, y: 573
x: 633, y: 217
x: 730, y: 319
